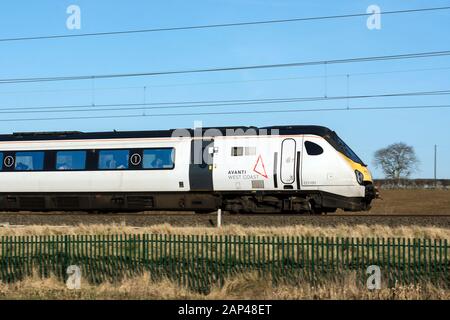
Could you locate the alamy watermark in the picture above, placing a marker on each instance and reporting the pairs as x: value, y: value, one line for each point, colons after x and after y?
x: 374, y: 20
x: 374, y: 279
x: 204, y: 148
x: 73, y: 21
x: 73, y: 281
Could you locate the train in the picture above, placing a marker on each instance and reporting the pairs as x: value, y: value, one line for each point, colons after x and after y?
x: 277, y: 169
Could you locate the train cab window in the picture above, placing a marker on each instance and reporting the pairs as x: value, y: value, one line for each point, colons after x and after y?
x: 29, y: 161
x: 1, y: 161
x: 237, y: 151
x: 71, y: 160
x: 113, y: 159
x: 159, y: 158
x: 313, y: 149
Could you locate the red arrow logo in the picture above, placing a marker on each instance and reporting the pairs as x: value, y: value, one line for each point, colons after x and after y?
x: 259, y: 167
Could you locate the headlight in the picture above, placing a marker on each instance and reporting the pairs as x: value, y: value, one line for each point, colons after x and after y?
x: 359, y: 177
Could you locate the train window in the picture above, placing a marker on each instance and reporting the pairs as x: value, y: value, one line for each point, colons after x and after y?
x: 250, y: 151
x: 345, y: 149
x: 29, y: 161
x: 159, y: 158
x: 237, y: 151
x: 113, y: 159
x: 70, y: 160
x: 312, y: 148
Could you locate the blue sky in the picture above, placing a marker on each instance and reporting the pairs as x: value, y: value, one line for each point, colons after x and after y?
x: 364, y: 131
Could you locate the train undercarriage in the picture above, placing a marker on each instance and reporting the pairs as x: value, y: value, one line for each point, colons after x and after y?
x: 298, y: 202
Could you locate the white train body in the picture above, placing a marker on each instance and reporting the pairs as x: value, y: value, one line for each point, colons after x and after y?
x: 298, y: 169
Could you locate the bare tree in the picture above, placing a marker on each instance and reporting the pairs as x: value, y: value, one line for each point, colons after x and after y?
x: 397, y: 160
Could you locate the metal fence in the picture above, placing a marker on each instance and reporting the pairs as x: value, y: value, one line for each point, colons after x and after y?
x: 200, y: 261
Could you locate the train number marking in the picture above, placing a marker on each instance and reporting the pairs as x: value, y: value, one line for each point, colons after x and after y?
x: 136, y: 159
x: 8, y: 162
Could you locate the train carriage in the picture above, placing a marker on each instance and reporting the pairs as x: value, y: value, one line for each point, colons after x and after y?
x: 304, y: 169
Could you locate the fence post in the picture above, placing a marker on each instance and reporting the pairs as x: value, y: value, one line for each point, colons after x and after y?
x: 445, y: 259
x: 440, y: 259
x: 404, y: 262
x: 420, y: 267
x: 389, y: 261
x: 66, y: 254
x: 226, y: 258
x: 435, y: 262
x: 409, y: 260
x: 312, y: 260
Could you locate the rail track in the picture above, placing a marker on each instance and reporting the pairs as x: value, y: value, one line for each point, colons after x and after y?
x: 210, y: 214
x: 209, y: 220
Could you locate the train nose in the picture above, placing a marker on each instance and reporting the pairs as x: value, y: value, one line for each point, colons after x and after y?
x: 371, y: 193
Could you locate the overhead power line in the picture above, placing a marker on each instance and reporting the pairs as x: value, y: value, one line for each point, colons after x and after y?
x: 221, y: 25
x: 204, y: 103
x: 355, y: 74
x: 185, y: 84
x: 234, y: 68
x: 230, y: 113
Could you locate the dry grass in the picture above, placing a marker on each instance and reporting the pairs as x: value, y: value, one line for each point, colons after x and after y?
x: 341, y: 230
x: 416, y: 201
x: 246, y: 286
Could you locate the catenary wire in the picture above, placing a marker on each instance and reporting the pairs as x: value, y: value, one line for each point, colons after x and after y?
x: 235, y: 68
x: 222, y: 25
x: 205, y: 103
x: 230, y: 113
x: 355, y: 74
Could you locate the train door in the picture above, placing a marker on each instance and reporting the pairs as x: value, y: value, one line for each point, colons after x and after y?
x: 290, y: 164
x: 201, y: 165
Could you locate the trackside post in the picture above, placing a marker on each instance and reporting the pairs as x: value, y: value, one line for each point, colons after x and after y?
x: 219, y: 218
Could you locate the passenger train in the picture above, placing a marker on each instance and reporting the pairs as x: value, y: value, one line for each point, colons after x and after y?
x: 279, y: 169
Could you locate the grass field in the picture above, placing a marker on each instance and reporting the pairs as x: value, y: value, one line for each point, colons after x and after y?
x: 249, y: 286
x: 412, y: 201
x: 342, y: 230
x: 244, y: 286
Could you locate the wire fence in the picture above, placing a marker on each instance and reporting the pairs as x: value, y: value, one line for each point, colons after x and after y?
x: 200, y: 261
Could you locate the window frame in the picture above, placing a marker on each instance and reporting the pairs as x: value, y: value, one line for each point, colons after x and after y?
x: 342, y: 147
x: 163, y: 148
x: 98, y: 152
x: 92, y: 159
x: 237, y: 148
x: 86, y: 161
x: 294, y: 168
x: 44, y: 161
x: 313, y: 154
